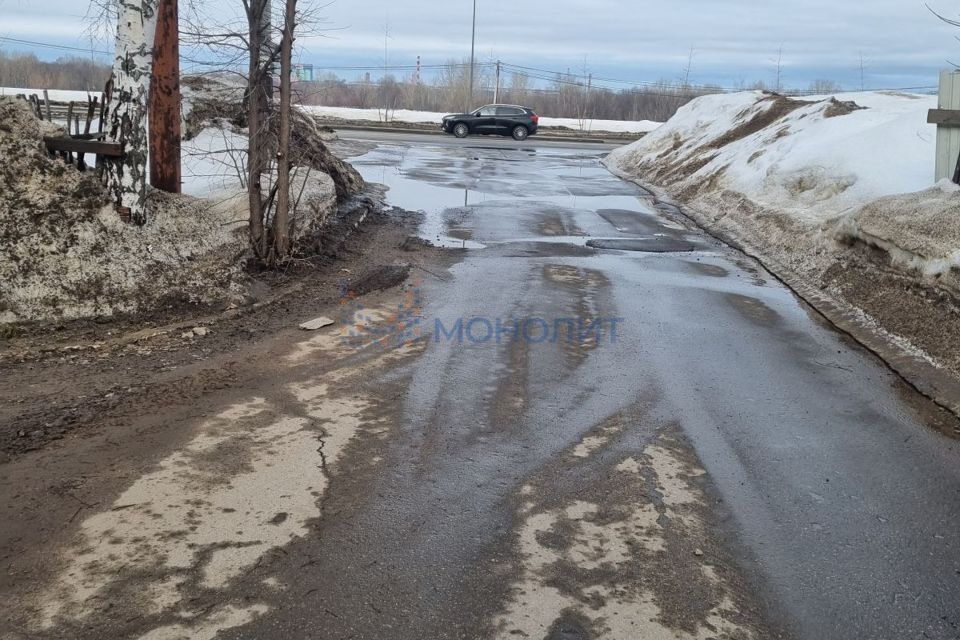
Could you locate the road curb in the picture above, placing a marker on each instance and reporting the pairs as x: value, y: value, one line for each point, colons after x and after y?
x: 935, y: 383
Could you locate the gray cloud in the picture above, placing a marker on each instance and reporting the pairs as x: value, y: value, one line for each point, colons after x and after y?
x: 733, y: 40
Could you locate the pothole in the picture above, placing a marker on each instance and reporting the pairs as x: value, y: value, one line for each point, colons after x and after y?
x: 646, y: 245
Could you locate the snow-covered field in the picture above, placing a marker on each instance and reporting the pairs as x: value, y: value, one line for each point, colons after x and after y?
x: 57, y: 95
x: 399, y: 115
x: 430, y: 117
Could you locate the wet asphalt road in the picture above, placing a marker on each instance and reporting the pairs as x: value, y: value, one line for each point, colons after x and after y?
x: 669, y: 446
x: 832, y: 496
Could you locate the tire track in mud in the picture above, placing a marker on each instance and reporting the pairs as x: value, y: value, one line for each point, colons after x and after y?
x: 166, y: 558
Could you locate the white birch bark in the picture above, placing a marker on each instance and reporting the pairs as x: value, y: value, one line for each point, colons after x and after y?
x: 127, y: 180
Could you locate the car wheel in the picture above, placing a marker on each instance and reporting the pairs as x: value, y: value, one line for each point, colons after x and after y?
x: 461, y: 130
x: 520, y: 132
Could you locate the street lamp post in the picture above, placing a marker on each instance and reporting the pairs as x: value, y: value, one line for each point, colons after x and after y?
x: 473, y: 45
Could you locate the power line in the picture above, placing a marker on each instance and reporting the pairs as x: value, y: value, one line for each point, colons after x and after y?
x: 401, y: 67
x: 50, y: 45
x: 564, y: 77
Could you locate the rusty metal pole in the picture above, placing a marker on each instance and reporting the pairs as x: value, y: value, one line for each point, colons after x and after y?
x: 165, y: 101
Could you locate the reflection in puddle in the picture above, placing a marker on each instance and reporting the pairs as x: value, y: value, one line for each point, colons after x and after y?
x: 489, y: 189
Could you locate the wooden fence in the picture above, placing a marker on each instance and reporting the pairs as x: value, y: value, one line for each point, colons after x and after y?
x: 80, y: 140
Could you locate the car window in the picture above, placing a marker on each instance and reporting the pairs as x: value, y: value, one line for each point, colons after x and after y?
x: 509, y: 111
x: 486, y: 111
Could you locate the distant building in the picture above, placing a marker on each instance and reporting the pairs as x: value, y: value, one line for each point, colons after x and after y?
x: 302, y: 72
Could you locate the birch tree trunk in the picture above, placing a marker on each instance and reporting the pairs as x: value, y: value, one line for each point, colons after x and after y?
x: 127, y: 179
x: 281, y: 229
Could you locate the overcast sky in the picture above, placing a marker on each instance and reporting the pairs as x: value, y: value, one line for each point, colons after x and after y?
x: 733, y: 41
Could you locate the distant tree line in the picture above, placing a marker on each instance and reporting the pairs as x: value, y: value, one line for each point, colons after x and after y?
x: 563, y: 96
x: 25, y: 70
x: 448, y: 90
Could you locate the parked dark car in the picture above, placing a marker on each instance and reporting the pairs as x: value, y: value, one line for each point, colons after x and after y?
x: 493, y: 120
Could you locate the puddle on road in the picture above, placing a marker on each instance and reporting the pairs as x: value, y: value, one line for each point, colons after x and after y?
x: 557, y: 223
x: 646, y: 245
x: 503, y: 191
x: 582, y: 292
x: 753, y: 309
x: 707, y: 269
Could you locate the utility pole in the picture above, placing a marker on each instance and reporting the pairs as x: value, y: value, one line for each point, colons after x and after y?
x: 686, y: 72
x: 589, y: 86
x: 779, y: 86
x: 473, y: 46
x: 496, y: 91
x: 165, y: 101
x: 863, y: 83
x: 383, y: 81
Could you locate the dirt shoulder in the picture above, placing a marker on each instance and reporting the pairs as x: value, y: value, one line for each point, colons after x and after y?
x: 65, y: 381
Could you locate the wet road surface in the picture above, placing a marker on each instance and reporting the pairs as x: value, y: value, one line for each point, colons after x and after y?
x: 596, y: 422
x: 838, y: 501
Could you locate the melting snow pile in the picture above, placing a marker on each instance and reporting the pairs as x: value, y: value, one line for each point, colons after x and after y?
x: 918, y: 231
x: 791, y: 177
x: 811, y: 159
x: 836, y: 190
x: 64, y: 253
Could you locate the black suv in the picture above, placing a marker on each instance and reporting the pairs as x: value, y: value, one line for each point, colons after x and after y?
x: 493, y: 119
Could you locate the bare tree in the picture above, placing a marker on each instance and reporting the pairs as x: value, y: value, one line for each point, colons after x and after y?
x: 687, y: 70
x: 281, y: 235
x: 365, y: 92
x: 257, y: 99
x: 520, y: 88
x: 583, y: 101
x: 28, y: 71
x: 824, y: 87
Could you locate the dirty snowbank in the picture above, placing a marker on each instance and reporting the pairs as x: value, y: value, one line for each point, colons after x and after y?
x: 64, y: 253
x: 834, y: 191
x: 811, y: 159
x: 919, y: 231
